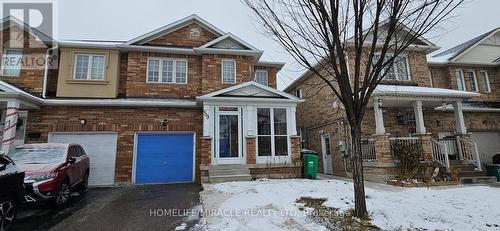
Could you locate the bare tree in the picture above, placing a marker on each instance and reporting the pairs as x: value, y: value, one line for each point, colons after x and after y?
x: 349, y: 45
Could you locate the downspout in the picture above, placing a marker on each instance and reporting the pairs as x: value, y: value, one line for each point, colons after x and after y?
x: 46, y: 71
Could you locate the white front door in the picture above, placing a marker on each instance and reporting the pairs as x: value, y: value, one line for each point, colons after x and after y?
x: 228, y: 138
x: 327, y: 155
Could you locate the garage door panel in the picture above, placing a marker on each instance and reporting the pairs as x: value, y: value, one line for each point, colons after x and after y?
x: 101, y: 149
x: 164, y: 158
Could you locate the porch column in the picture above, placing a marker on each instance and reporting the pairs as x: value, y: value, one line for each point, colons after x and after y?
x: 250, y: 121
x: 9, y: 128
x: 459, y: 118
x: 208, y: 116
x: 419, y: 117
x: 293, y: 122
x: 379, y: 117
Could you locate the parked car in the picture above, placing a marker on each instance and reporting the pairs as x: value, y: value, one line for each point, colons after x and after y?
x: 52, y: 171
x: 11, y: 191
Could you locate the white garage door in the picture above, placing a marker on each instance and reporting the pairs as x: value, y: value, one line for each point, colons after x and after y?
x: 488, y: 143
x: 100, y: 147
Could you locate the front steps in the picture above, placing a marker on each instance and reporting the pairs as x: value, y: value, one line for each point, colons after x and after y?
x: 227, y: 173
x: 469, y: 174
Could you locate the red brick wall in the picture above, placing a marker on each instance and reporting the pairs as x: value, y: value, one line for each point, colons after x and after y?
x: 180, y: 37
x: 251, y: 150
x: 212, y: 75
x: 271, y: 74
x: 124, y: 121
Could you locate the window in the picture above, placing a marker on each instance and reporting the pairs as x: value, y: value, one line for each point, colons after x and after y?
x: 460, y: 79
x: 471, y: 76
x: 89, y: 67
x: 228, y: 71
x: 261, y: 77
x: 398, y: 71
x: 272, y: 136
x: 430, y: 78
x: 485, y: 81
x: 166, y: 71
x: 298, y: 93
x: 12, y: 61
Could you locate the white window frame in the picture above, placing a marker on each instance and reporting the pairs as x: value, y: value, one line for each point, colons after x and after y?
x: 430, y: 78
x: 476, y: 86
x: 487, y: 78
x: 267, y: 76
x: 174, y: 70
x: 222, y: 70
x: 408, y: 70
x: 463, y: 79
x: 4, y: 56
x: 299, y: 93
x: 89, y: 66
x: 276, y: 159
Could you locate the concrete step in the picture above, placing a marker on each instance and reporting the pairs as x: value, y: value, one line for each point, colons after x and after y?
x: 463, y: 167
x: 226, y: 166
x: 229, y: 178
x: 455, y: 162
x: 472, y: 173
x: 478, y: 180
x: 226, y: 172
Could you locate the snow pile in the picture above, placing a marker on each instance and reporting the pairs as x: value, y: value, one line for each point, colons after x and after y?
x: 271, y: 205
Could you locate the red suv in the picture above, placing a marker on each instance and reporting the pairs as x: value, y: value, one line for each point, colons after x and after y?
x: 52, y: 171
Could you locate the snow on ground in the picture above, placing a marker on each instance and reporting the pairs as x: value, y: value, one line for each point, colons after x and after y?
x: 271, y: 205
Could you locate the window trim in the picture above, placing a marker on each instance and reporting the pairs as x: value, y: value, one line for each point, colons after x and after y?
x: 4, y: 56
x: 222, y: 70
x: 463, y: 79
x: 476, y: 86
x: 301, y: 93
x: 272, y: 135
x: 262, y: 71
x: 89, y: 66
x: 395, y: 72
x: 487, y: 81
x: 160, y: 70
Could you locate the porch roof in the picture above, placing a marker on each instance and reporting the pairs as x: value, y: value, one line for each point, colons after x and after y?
x: 414, y: 91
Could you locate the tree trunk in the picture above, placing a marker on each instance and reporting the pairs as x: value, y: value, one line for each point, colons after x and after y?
x: 357, y: 173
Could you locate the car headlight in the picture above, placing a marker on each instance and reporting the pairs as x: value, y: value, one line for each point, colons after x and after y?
x: 39, y: 177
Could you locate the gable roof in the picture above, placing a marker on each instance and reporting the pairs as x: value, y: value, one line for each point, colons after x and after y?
x: 250, y: 89
x: 6, y: 22
x: 174, y: 26
x: 228, y: 37
x: 456, y: 51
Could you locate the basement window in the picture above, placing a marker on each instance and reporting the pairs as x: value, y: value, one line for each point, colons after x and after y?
x: 89, y: 67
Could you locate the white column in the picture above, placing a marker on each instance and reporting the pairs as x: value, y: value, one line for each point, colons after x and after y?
x: 459, y: 118
x: 293, y: 121
x: 9, y: 129
x: 379, y: 117
x: 250, y: 121
x: 208, y: 117
x: 419, y: 117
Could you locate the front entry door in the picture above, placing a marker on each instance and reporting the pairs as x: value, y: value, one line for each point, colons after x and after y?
x: 228, y: 138
x: 327, y: 155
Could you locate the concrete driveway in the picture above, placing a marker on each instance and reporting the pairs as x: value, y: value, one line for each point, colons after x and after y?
x: 151, y: 207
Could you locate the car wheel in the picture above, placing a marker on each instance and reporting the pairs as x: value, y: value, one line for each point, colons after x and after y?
x: 63, y: 194
x: 85, y: 182
x: 7, y: 213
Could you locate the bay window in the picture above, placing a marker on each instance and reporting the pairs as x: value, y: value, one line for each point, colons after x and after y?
x: 89, y: 67
x: 272, y: 135
x: 167, y: 71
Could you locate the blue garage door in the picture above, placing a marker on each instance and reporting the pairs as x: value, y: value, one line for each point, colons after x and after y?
x: 164, y: 158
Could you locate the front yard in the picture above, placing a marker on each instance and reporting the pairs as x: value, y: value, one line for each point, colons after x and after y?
x: 272, y: 205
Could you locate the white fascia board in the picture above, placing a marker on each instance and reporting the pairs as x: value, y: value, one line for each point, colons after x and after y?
x: 173, y: 50
x: 228, y: 36
x: 249, y: 100
x: 256, y: 53
x: 246, y: 84
x: 120, y: 103
x: 278, y: 65
x: 77, y: 44
x: 474, y: 45
x: 470, y: 109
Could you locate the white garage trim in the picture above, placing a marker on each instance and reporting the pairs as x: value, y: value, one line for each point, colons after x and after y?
x: 110, y: 169
x: 134, y: 160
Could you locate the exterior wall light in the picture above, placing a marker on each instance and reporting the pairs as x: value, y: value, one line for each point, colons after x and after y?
x: 83, y: 121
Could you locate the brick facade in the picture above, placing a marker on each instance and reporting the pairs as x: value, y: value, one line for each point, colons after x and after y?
x: 180, y: 37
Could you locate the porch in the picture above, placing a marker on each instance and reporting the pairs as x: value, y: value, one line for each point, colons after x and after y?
x: 404, y: 111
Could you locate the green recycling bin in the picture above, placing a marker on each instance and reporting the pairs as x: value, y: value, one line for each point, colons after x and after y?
x: 310, y: 164
x: 493, y: 170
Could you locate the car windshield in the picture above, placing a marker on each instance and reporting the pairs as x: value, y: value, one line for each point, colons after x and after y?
x: 38, y: 155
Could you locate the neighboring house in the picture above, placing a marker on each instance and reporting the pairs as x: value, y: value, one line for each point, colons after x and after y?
x: 408, y: 106
x: 173, y: 105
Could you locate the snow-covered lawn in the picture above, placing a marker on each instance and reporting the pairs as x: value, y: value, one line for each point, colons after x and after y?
x: 271, y: 205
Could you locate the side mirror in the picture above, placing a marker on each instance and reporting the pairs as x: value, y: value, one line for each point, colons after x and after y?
x: 72, y: 160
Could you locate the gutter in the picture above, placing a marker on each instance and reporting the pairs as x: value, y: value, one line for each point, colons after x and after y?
x: 119, y: 103
x: 46, y: 71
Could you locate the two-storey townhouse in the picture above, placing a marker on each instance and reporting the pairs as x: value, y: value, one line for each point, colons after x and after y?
x: 186, y: 102
x: 405, y: 107
x: 474, y: 66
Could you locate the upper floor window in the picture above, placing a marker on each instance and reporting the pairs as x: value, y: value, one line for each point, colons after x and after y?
x: 398, y: 71
x: 89, y: 67
x: 471, y: 76
x: 298, y: 93
x: 261, y: 77
x: 12, y: 61
x: 167, y: 71
x: 485, y: 81
x: 459, y: 75
x: 228, y: 71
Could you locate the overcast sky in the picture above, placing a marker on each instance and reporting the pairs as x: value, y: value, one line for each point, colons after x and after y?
x: 126, y: 19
